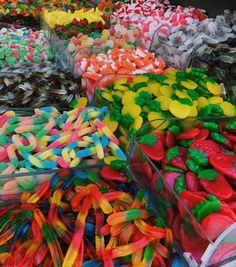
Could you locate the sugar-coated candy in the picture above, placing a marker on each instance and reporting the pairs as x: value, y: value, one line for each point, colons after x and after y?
x: 23, y: 45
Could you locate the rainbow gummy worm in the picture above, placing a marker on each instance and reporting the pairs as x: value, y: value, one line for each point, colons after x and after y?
x: 78, y: 218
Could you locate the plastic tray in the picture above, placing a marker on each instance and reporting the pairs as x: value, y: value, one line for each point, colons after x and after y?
x: 149, y: 176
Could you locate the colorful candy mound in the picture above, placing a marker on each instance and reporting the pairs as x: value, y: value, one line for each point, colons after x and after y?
x: 22, y: 45
x: 134, y: 100
x: 117, y: 36
x: 38, y: 85
x: 199, y: 165
x: 18, y: 13
x: 48, y: 139
x: 119, y: 61
x: 78, y: 218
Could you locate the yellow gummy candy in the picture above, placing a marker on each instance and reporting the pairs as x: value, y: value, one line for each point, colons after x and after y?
x: 111, y: 124
x: 191, y: 85
x: 81, y: 102
x: 145, y: 109
x: 182, y: 94
x: 193, y: 112
x: 119, y: 94
x: 120, y: 81
x: 215, y: 100
x: 157, y: 121
x: 121, y: 87
x: 140, y: 79
x: 132, y: 109
x: 202, y: 102
x: 213, y: 88
x: 179, y: 110
x: 228, y: 108
x: 154, y: 88
x: 166, y: 90
x: 170, y: 80
x: 143, y: 89
x: 171, y: 72
x: 129, y: 97
x: 164, y: 101
x: 75, y: 162
x: 138, y: 122
x: 107, y: 96
x: 109, y: 159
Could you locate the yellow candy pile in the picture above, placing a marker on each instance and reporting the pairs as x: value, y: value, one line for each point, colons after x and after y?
x: 59, y: 17
x: 137, y: 99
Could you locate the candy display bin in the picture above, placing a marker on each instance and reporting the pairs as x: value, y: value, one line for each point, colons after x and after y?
x: 13, y: 185
x: 173, y: 56
x: 198, y: 246
x: 219, y: 60
x: 21, y: 90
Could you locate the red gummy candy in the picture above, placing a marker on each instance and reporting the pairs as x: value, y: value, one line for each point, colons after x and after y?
x: 224, y: 163
x: 209, y: 147
x: 215, y: 224
x: 219, y: 187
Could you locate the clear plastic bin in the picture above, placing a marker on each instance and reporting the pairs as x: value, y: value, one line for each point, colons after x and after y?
x: 105, y: 81
x: 150, y: 176
x: 11, y: 186
x: 219, y: 61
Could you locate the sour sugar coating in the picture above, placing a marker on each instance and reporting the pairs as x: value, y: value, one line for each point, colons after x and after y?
x: 73, y: 222
x: 23, y: 45
x: 52, y: 140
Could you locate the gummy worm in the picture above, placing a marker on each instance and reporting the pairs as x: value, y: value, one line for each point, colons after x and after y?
x: 40, y: 193
x: 106, y: 131
x: 148, y: 230
x: 58, y: 226
x: 37, y: 240
x: 101, y: 200
x: 72, y: 252
x: 148, y: 256
x: 124, y: 216
x: 13, y: 160
x: 99, y: 239
x: 51, y: 123
x: 50, y: 238
x: 122, y: 251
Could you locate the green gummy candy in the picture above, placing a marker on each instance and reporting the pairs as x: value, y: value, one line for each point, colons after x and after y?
x: 27, y: 183
x: 11, y: 61
x: 37, y: 59
x: 3, y: 139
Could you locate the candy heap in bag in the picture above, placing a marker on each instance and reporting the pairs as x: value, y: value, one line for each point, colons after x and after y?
x: 117, y: 134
